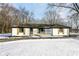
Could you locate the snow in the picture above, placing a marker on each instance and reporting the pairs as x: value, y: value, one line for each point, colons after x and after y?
x: 6, y: 35
x: 41, y: 47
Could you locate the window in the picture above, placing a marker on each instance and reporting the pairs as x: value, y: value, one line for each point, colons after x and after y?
x: 21, y: 30
x: 31, y: 30
x: 61, y: 31
x: 41, y: 30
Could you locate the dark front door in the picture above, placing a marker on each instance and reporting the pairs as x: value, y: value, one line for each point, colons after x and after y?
x: 31, y: 31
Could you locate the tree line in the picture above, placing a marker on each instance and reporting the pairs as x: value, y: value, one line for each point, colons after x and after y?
x: 10, y: 15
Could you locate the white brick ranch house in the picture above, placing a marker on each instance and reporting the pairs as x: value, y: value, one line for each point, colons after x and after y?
x: 55, y: 30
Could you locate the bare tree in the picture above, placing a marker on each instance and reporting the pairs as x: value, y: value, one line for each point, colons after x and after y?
x: 5, y: 14
x: 52, y: 16
x: 9, y: 16
x: 73, y: 7
x: 31, y: 17
x: 24, y: 14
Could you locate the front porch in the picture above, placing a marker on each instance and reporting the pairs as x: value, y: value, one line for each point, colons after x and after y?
x: 40, y: 30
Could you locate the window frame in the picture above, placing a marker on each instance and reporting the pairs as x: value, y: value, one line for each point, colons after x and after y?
x: 41, y: 30
x: 21, y: 29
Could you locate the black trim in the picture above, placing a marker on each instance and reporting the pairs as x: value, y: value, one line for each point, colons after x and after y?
x: 40, y: 26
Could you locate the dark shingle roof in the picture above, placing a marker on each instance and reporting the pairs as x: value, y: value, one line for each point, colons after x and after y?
x: 41, y: 26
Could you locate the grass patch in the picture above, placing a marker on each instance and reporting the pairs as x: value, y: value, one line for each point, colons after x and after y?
x: 9, y: 39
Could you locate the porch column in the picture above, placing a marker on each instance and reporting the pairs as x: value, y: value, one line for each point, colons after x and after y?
x: 35, y: 31
x: 14, y: 31
x: 27, y: 31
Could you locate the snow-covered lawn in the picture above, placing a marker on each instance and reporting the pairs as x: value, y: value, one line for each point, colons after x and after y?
x: 40, y: 47
x: 5, y: 35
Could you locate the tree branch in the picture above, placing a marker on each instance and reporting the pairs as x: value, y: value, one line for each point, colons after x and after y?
x: 64, y: 7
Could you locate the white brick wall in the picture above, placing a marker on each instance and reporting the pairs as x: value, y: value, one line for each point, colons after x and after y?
x: 35, y: 31
x: 14, y: 31
x: 27, y: 31
x: 55, y: 32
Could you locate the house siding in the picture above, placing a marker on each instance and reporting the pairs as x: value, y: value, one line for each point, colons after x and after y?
x: 65, y: 33
x: 14, y: 31
x: 27, y: 31
x: 48, y: 32
x: 35, y: 31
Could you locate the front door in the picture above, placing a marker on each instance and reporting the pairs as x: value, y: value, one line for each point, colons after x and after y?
x: 31, y: 31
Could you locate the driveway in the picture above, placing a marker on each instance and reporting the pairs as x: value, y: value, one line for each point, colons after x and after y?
x: 41, y: 47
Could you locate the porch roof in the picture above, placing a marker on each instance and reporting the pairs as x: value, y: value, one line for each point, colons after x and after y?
x: 40, y: 26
